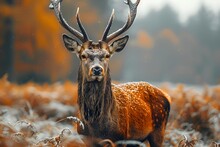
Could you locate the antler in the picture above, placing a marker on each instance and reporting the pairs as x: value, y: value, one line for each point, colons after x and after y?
x: 55, y: 4
x: 127, y: 25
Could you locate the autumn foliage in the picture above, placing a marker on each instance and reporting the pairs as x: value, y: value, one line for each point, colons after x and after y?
x: 33, y: 114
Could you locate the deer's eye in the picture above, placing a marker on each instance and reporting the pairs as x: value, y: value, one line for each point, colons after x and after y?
x: 83, y: 57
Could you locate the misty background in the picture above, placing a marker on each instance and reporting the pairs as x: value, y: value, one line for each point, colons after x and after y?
x: 170, y: 41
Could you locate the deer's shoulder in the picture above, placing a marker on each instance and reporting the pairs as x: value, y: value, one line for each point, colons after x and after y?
x: 138, y: 90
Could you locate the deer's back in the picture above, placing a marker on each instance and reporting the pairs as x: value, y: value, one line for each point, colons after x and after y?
x: 141, y: 108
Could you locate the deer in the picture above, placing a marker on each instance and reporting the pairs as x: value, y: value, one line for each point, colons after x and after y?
x: 128, y: 111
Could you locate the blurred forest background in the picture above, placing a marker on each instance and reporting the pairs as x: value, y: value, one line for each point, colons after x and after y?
x: 161, y: 48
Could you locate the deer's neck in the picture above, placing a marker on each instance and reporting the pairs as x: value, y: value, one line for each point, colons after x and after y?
x: 95, y: 98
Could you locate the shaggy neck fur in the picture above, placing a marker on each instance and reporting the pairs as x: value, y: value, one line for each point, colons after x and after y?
x: 95, y: 98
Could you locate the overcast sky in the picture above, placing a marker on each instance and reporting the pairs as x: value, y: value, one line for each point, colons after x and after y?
x: 184, y: 8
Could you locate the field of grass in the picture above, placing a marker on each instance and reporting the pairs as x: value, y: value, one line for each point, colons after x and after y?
x: 41, y: 115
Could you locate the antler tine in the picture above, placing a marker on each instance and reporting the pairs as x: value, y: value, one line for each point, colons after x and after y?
x: 129, y: 22
x: 105, y: 34
x: 55, y: 4
x: 81, y: 26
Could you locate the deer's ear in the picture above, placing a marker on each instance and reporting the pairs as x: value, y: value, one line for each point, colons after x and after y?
x: 71, y: 44
x: 119, y: 44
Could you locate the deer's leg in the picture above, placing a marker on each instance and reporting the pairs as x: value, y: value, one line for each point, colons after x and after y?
x: 156, y: 137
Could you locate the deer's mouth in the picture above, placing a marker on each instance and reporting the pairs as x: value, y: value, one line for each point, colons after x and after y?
x: 96, y: 73
x: 97, y: 78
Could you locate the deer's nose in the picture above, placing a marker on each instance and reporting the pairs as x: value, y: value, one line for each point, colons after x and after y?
x: 97, y: 71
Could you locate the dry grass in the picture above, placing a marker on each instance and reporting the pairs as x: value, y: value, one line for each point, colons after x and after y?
x: 38, y: 115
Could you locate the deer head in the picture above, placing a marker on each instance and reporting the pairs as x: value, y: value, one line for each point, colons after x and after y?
x: 94, y: 56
